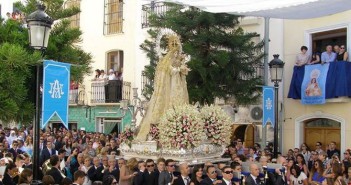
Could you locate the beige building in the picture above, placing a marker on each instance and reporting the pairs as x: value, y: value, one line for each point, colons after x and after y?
x: 312, y: 123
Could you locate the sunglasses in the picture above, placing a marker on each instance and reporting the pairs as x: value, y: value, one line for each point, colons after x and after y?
x: 228, y: 172
x: 213, y: 172
x: 150, y: 166
x: 342, y: 48
x: 171, y: 166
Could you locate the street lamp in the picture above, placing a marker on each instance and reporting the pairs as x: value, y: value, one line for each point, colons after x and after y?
x: 276, y: 67
x: 39, y: 27
x: 137, y: 105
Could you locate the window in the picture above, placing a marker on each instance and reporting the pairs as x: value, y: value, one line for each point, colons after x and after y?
x: 333, y: 37
x: 75, y: 19
x: 113, y: 16
x: 115, y: 61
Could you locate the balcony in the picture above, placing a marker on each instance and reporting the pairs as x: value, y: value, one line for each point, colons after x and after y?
x: 338, y: 82
x: 111, y: 91
x: 158, y: 8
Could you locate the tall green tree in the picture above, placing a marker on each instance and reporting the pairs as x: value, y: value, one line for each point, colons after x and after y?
x: 223, y: 57
x: 18, y: 61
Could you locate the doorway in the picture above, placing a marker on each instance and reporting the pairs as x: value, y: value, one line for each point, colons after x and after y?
x: 244, y: 132
x: 322, y: 130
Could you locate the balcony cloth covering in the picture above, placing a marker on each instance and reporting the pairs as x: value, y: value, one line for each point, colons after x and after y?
x: 281, y: 9
x: 338, y: 81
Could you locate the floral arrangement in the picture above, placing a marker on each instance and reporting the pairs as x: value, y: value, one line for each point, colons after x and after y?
x: 126, y: 136
x: 180, y: 128
x: 154, y: 132
x: 217, y: 124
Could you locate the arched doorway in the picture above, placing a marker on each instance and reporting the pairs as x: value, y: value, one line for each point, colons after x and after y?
x: 244, y: 132
x: 300, y: 123
x: 323, y: 130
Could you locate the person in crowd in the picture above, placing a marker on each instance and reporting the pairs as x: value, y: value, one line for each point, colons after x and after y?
x: 121, y: 162
x: 338, y: 174
x: 312, y: 160
x: 289, y: 165
x: 29, y: 145
x: 66, y: 181
x: 94, y: 173
x: 109, y: 180
x: 315, y: 59
x: 112, y: 169
x: 167, y: 175
x: 220, y: 165
x: 323, y: 156
x: 342, y: 55
x: 46, y: 153
x: 302, y: 58
x: 89, y: 150
x: 114, y: 147
x: 319, y: 147
x: 55, y: 169
x: 316, y: 175
x: 27, y: 161
x: 346, y: 161
x: 278, y: 177
x: 328, y: 55
x: 227, y: 175
x: 25, y: 177
x: 14, y: 150
x: 10, y: 175
x: 48, y: 180
x: 300, y: 161
x: 85, y: 168
x: 184, y: 178
x: 12, y: 137
x: 211, y: 178
x: 112, y: 75
x: 297, y: 176
x: 79, y: 178
x: 138, y: 178
x: 196, y: 176
x: 239, y: 147
x: 72, y: 161
x: 150, y: 177
x: 305, y: 151
x: 253, y: 178
x: 67, y: 145
x: 348, y: 176
x: 332, y: 149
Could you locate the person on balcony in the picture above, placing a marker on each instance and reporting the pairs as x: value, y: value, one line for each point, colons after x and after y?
x: 328, y: 55
x: 103, y: 75
x: 302, y: 58
x: 97, y: 74
x: 112, y: 75
x: 342, y: 55
x: 315, y: 58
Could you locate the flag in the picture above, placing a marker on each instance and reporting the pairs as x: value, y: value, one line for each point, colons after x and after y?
x: 55, y: 91
x: 268, y: 105
x: 313, y: 84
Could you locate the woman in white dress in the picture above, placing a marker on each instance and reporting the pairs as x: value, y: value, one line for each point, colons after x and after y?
x: 85, y: 167
x: 297, y: 177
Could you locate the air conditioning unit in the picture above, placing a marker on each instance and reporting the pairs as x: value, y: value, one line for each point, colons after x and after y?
x: 255, y: 113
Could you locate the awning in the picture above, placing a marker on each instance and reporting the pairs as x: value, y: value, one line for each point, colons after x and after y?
x: 281, y: 9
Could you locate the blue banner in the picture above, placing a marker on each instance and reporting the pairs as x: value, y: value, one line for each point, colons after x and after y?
x: 313, y: 84
x: 55, y: 91
x: 268, y: 105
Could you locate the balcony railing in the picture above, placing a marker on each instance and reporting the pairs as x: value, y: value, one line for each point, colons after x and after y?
x: 338, y: 82
x: 158, y: 8
x: 109, y: 91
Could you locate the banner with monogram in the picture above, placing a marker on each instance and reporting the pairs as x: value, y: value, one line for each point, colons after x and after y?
x: 268, y: 105
x: 56, y: 83
x: 313, y: 84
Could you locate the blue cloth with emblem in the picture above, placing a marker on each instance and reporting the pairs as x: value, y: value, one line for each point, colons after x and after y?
x: 56, y: 83
x: 268, y: 105
x: 338, y: 81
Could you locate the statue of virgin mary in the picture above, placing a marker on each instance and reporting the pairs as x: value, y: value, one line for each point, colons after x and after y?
x: 170, y: 88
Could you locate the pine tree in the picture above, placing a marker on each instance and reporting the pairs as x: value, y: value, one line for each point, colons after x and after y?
x: 223, y: 56
x: 19, y: 61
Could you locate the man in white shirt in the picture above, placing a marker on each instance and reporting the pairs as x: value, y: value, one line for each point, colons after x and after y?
x: 328, y: 55
x: 112, y: 75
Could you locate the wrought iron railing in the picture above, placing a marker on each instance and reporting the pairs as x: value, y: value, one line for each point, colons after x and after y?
x: 158, y: 8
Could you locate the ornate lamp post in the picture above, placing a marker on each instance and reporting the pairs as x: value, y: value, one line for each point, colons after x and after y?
x: 276, y: 67
x: 137, y: 105
x: 39, y: 27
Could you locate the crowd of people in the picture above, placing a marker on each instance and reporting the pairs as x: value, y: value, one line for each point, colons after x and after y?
x: 88, y: 158
x: 331, y: 54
